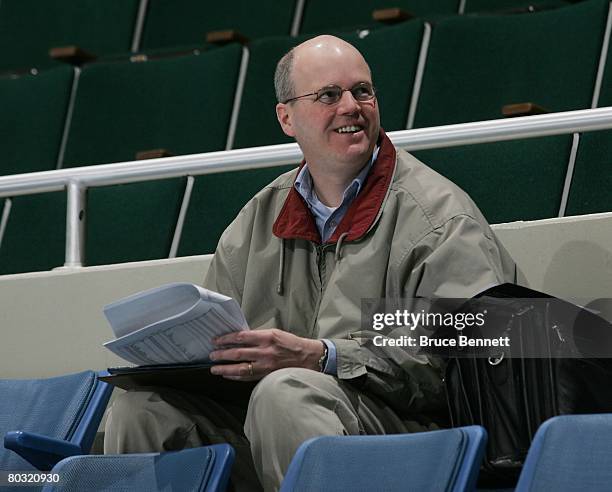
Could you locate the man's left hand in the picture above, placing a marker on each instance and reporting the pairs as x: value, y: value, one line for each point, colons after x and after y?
x: 264, y: 351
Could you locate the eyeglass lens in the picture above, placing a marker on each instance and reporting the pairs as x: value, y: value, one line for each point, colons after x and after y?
x: 333, y: 93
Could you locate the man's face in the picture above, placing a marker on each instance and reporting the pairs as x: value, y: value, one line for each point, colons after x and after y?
x: 316, y: 125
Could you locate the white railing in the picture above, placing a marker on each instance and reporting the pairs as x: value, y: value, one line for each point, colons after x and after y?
x: 77, y: 180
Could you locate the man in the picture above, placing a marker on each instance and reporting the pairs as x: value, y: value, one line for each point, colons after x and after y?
x: 358, y: 220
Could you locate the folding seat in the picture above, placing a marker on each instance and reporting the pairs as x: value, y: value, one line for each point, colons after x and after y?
x: 202, y: 469
x: 186, y: 22
x: 180, y: 104
x: 46, y: 420
x: 477, y: 64
x: 592, y: 177
x: 29, y: 28
x: 510, y: 6
x: 320, y: 16
x: 35, y: 234
x: 33, y: 113
x: 215, y: 201
x: 568, y: 453
x: 426, y: 461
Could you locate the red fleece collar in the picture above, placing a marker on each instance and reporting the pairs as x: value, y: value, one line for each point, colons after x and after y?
x: 296, y: 222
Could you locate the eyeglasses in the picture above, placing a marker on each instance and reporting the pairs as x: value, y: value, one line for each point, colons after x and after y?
x: 331, y: 94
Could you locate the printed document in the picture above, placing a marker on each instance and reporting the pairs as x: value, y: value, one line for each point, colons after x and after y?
x: 171, y: 324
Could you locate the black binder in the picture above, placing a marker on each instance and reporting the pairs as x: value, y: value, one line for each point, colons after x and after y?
x: 193, y: 378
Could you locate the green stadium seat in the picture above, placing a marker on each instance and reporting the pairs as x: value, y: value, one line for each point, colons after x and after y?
x: 257, y: 123
x: 33, y: 115
x: 320, y: 16
x: 511, y: 6
x: 186, y: 22
x: 476, y: 64
x: 590, y: 191
x: 515, y: 180
x: 35, y: 235
x: 182, y: 104
x: 215, y: 201
x: 592, y: 177
x: 29, y: 28
x: 132, y: 222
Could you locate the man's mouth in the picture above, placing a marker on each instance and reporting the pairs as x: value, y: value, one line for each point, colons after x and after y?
x: 349, y: 129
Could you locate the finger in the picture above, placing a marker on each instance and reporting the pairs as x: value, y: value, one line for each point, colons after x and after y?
x: 237, y: 354
x: 245, y: 337
x: 238, y: 371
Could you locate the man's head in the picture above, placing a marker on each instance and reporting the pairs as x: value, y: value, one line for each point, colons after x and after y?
x: 341, y: 135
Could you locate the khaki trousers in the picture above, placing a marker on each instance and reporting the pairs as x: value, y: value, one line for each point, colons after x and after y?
x: 286, y: 408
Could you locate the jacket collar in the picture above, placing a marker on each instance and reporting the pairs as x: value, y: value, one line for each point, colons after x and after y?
x: 296, y: 222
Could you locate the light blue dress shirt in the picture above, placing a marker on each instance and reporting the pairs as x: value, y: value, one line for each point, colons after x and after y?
x: 327, y: 219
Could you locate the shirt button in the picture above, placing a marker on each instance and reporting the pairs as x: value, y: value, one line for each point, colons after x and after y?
x: 333, y: 223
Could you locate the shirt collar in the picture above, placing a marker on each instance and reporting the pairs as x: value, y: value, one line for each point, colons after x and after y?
x: 304, y: 186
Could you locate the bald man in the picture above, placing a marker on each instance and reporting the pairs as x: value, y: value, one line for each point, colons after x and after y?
x: 359, y: 219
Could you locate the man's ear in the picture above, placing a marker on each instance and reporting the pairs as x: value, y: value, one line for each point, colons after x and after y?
x: 284, y: 118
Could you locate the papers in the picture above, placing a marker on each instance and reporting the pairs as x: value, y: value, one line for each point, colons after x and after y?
x: 171, y: 324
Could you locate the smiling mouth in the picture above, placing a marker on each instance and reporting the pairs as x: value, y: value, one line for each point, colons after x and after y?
x: 349, y: 129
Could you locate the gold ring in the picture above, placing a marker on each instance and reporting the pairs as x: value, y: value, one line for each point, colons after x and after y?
x: 250, y: 369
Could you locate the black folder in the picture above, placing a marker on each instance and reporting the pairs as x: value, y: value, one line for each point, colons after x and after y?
x: 192, y: 378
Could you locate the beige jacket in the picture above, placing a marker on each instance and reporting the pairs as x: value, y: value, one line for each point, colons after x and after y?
x: 409, y: 233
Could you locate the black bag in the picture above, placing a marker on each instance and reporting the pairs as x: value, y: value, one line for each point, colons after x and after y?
x: 559, y: 362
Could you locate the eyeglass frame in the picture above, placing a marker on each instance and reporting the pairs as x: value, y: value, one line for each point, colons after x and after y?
x: 342, y: 91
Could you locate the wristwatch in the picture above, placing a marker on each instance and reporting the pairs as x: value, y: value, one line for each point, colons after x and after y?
x: 323, y: 359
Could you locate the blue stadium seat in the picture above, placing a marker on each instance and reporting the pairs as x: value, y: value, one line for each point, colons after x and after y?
x: 46, y: 420
x: 569, y: 453
x: 203, y: 469
x: 427, y: 461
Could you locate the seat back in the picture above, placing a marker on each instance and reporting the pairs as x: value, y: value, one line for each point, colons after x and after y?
x: 66, y: 408
x: 570, y: 452
x: 34, y: 109
x: 35, y: 235
x: 181, y: 104
x: 186, y: 22
x: 592, y: 177
x: 29, y: 28
x: 203, y: 469
x: 320, y: 17
x: 477, y: 64
x: 427, y: 461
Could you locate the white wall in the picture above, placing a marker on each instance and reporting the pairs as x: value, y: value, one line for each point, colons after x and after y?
x: 52, y: 322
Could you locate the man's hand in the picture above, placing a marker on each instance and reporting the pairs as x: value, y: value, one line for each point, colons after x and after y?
x: 264, y: 351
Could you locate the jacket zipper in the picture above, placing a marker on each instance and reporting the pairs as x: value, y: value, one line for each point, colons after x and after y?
x: 320, y: 250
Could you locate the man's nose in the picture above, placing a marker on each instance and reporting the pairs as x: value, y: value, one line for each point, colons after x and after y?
x: 348, y: 104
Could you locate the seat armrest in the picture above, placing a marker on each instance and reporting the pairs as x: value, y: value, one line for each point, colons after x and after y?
x: 41, y: 451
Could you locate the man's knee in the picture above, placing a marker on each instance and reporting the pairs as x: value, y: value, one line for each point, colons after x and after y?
x: 130, y: 409
x: 286, y: 393
x: 141, y: 421
x: 285, y: 386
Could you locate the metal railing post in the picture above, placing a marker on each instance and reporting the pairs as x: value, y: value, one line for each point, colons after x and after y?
x: 75, y: 224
